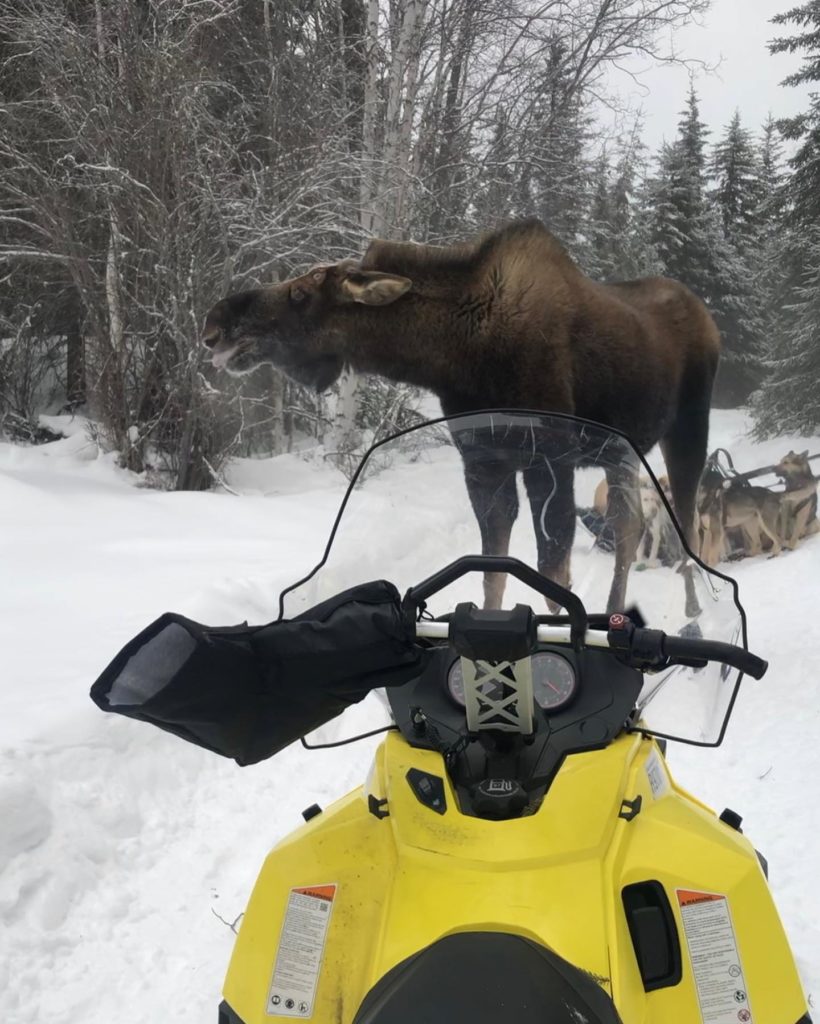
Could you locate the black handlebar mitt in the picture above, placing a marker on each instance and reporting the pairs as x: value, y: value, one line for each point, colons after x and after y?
x: 247, y: 692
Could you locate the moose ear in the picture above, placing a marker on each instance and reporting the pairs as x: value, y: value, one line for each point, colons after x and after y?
x: 374, y: 288
x: 307, y: 283
x: 805, y: 454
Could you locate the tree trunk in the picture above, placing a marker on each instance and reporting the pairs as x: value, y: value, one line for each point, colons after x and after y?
x: 384, y: 194
x: 277, y: 396
x: 343, y: 437
x: 371, y: 98
x: 75, y: 367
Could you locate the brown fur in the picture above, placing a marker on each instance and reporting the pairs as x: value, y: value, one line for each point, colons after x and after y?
x: 507, y: 321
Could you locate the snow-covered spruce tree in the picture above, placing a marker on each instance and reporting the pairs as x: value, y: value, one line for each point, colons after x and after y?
x: 788, y: 401
x: 737, y: 194
x: 617, y: 228
x: 769, y: 263
x: 738, y: 186
x: 804, y: 129
x: 789, y: 398
x: 684, y: 226
x: 688, y: 235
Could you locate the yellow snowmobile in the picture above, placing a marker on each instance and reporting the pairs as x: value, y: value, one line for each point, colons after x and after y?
x: 519, y: 851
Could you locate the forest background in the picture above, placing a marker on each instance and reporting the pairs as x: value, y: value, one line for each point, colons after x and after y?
x: 156, y: 155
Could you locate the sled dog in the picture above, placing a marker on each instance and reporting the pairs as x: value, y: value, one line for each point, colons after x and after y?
x: 728, y: 505
x: 799, y: 500
x: 658, y: 544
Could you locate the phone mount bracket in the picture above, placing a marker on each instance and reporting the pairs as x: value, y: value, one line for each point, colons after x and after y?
x: 498, y: 695
x: 495, y: 649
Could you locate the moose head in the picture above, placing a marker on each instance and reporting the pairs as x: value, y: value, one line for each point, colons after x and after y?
x: 302, y: 326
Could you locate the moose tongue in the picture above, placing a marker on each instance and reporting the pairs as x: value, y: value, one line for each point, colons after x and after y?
x: 222, y: 353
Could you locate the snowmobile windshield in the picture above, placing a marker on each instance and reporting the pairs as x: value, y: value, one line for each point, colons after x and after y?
x: 453, y: 487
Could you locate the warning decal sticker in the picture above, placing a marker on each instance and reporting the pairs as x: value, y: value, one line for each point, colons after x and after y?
x: 658, y: 780
x: 301, y: 951
x: 716, y: 964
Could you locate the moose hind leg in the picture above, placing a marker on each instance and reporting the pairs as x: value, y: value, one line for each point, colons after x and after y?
x: 684, y: 451
x: 492, y: 488
x: 550, y: 489
x: 685, y: 459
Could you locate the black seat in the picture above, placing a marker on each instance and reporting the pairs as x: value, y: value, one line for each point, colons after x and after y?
x: 486, y: 978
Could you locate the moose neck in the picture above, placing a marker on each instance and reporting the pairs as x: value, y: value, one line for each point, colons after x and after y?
x: 418, y: 340
x: 455, y: 331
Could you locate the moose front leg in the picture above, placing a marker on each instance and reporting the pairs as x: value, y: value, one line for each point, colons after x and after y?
x: 494, y: 497
x: 624, y: 514
x: 552, y: 502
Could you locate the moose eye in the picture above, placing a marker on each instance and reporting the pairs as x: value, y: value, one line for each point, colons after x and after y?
x: 297, y: 294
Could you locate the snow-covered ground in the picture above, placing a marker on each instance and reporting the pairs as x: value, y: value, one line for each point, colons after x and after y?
x: 125, y: 854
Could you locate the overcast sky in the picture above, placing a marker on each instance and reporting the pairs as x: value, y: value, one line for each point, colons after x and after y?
x: 734, y: 34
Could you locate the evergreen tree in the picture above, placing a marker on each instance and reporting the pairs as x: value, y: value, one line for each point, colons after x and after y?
x: 790, y: 396
x: 737, y: 192
x: 788, y: 402
x: 772, y: 175
x: 684, y: 228
x: 770, y: 261
x: 688, y: 229
x: 618, y: 228
x: 804, y: 186
x: 737, y: 196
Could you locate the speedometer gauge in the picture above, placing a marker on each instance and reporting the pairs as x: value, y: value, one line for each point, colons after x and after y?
x: 553, y: 682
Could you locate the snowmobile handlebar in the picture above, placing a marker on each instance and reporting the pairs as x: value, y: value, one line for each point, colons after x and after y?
x: 646, y: 649
x: 416, y: 597
x: 679, y: 648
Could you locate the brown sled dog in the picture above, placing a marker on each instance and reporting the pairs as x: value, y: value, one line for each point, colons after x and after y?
x: 798, y: 516
x: 736, y: 505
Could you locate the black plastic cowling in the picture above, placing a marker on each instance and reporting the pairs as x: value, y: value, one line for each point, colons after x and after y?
x: 486, y: 635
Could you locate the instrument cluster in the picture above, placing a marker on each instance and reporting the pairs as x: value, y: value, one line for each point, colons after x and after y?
x: 554, y: 682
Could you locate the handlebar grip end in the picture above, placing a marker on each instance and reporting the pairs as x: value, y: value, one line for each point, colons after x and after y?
x: 757, y: 667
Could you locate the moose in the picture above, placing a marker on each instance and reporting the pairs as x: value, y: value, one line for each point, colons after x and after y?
x: 506, y: 321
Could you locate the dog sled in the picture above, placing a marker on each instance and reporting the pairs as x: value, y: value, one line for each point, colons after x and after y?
x: 737, y: 518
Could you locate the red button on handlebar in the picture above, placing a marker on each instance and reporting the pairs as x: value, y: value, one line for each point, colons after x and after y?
x: 617, y: 621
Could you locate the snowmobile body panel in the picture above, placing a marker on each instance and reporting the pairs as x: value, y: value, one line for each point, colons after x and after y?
x: 398, y: 876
